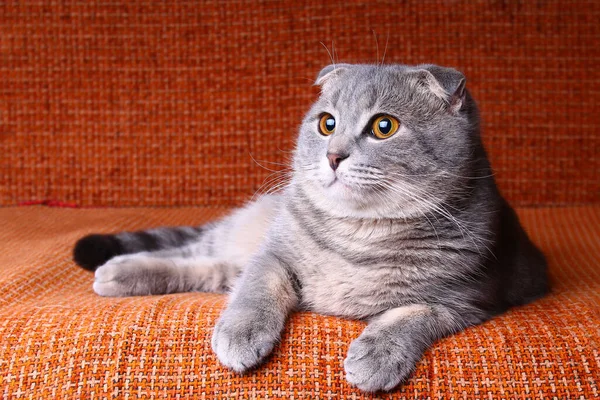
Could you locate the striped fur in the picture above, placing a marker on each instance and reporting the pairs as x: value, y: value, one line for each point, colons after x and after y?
x: 94, y: 250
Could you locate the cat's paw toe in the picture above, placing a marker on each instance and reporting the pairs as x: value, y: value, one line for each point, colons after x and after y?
x: 110, y: 279
x: 373, y: 364
x: 105, y: 283
x: 242, y: 342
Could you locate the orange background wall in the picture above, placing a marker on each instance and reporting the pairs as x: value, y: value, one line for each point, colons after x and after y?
x: 163, y: 103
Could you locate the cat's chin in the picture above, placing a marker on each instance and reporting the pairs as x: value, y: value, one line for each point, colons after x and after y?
x: 342, y: 191
x: 345, y: 201
x: 342, y: 200
x: 347, y: 195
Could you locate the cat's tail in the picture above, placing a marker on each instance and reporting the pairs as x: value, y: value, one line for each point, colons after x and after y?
x: 94, y: 250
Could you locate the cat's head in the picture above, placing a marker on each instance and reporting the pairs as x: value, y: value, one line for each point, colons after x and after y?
x: 386, y: 141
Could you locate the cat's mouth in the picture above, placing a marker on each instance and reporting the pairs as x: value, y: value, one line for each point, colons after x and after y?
x: 341, y: 189
x: 333, y: 182
x: 337, y: 182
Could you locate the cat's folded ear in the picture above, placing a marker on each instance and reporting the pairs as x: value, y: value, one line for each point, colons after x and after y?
x: 446, y: 83
x: 330, y: 72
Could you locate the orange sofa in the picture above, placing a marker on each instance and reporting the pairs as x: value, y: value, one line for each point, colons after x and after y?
x: 125, y: 115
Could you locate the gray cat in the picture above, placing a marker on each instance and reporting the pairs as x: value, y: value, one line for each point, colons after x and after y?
x: 391, y: 216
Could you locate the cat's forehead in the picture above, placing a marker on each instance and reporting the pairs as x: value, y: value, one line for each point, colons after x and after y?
x: 366, y: 86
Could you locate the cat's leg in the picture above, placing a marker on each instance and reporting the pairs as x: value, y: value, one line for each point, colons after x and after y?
x: 163, y: 272
x: 259, y: 305
x: 385, y: 354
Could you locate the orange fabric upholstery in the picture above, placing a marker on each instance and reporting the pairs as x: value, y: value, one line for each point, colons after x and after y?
x: 131, y: 103
x: 161, y: 104
x: 60, y: 340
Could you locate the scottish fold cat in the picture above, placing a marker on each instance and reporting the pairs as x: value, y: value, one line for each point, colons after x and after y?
x: 391, y: 216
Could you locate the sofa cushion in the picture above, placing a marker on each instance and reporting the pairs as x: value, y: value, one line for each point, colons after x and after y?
x: 60, y: 340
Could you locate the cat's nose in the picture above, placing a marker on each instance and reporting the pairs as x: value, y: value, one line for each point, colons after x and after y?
x: 335, y: 159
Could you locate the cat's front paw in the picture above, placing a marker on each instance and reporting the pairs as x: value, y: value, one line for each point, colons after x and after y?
x: 375, y: 362
x: 242, y: 339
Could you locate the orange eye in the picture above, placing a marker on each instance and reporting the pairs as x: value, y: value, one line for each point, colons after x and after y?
x: 326, y: 124
x: 385, y: 126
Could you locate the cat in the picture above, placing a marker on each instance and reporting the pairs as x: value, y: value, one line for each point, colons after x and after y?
x: 391, y: 215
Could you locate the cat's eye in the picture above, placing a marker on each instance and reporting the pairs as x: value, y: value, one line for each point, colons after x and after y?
x: 326, y: 124
x: 384, y: 126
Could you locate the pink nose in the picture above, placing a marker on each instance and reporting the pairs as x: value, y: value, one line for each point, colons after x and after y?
x: 335, y: 159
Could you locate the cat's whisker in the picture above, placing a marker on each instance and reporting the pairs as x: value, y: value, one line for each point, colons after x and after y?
x: 328, y: 52
x: 260, y: 165
x: 417, y: 187
x: 278, y: 178
x: 376, y: 45
x: 439, y: 203
x: 467, y: 177
x: 406, y: 193
x: 475, y: 175
x: 359, y: 180
x: 419, y: 191
x: 274, y: 181
x: 442, y: 211
x: 277, y: 188
x: 285, y: 165
x: 292, y: 151
x: 386, y: 47
x: 308, y: 167
x: 438, y: 174
x: 274, y: 177
x: 371, y: 172
x: 387, y: 196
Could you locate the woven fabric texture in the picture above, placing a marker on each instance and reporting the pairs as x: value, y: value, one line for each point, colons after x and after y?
x: 137, y: 102
x: 61, y: 341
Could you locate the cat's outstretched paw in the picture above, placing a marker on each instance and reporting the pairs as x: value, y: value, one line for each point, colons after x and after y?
x: 242, y: 339
x: 375, y: 362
